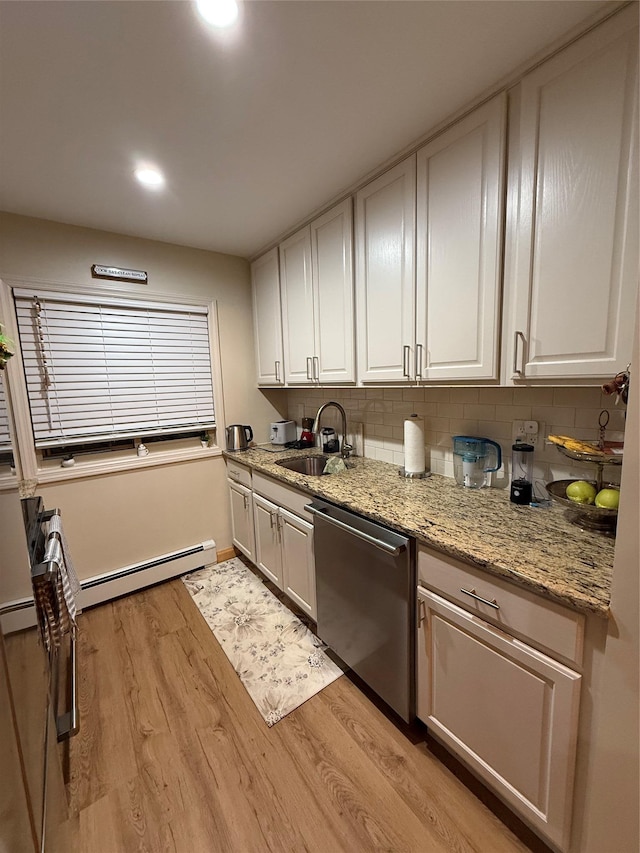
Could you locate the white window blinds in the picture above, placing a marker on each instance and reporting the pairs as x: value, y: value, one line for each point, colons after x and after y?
x: 5, y: 438
x: 100, y: 368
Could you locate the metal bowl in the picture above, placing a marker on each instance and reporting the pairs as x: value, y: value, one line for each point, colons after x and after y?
x: 587, y: 516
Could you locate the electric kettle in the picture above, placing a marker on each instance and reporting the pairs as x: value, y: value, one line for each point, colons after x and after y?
x: 473, y: 460
x: 239, y: 436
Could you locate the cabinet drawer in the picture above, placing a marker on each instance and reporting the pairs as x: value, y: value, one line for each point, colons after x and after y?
x: 239, y: 473
x: 283, y: 495
x: 541, y: 622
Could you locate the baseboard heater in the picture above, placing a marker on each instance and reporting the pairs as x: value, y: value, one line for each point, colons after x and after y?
x: 20, y: 614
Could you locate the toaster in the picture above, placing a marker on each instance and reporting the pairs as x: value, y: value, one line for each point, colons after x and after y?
x: 282, y: 432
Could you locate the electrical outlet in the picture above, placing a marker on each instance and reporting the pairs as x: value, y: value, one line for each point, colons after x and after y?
x: 518, y: 431
x: 527, y: 432
x: 533, y: 430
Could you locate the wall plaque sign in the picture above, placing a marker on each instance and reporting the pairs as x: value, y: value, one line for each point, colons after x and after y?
x: 98, y: 271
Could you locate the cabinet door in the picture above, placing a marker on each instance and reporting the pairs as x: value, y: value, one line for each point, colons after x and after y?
x: 267, y: 319
x: 242, y: 518
x: 332, y: 259
x: 298, y: 567
x: 296, y: 286
x: 385, y: 280
x: 267, y: 553
x: 575, y: 263
x: 510, y: 712
x: 459, y: 245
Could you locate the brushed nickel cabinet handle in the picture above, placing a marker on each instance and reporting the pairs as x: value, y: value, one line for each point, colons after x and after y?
x: 277, y: 364
x: 477, y: 597
x: 406, y: 353
x: 316, y: 368
x: 419, y: 349
x: 518, y: 334
x: 309, y: 368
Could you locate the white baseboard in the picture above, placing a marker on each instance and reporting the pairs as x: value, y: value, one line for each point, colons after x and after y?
x: 17, y: 615
x: 20, y: 614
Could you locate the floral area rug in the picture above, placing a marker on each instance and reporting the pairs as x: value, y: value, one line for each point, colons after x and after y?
x: 279, y: 660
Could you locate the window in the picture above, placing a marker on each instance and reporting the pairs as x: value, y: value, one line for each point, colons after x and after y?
x: 104, y: 368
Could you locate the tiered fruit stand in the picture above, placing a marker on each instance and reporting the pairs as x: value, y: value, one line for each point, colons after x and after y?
x: 588, y: 516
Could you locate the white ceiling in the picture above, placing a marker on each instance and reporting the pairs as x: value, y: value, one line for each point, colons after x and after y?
x: 255, y: 128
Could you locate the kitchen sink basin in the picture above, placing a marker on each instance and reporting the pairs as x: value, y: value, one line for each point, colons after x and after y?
x: 313, y: 465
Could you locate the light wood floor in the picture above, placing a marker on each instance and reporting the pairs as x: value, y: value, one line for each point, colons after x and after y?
x: 173, y: 755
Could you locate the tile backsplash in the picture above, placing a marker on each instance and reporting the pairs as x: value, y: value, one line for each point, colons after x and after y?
x: 486, y: 412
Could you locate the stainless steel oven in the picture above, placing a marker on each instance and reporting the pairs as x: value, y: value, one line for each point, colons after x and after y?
x: 39, y: 696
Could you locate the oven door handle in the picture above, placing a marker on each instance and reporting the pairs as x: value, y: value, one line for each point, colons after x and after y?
x: 372, y: 540
x: 68, y: 724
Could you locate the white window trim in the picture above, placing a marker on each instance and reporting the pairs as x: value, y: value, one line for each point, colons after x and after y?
x: 27, y: 468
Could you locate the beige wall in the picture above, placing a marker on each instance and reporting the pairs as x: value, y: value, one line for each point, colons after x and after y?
x: 612, y: 820
x: 118, y: 519
x: 154, y: 510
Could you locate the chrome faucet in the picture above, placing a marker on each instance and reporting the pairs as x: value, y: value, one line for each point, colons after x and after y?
x: 345, y: 448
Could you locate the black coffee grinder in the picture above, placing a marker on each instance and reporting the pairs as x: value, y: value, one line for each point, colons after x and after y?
x: 521, y: 473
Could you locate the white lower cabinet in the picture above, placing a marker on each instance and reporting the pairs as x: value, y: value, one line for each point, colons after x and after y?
x: 298, y: 569
x: 268, y: 551
x: 506, y: 709
x: 284, y: 551
x: 242, y: 518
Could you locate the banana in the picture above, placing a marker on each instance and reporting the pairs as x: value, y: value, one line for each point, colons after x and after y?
x: 575, y: 445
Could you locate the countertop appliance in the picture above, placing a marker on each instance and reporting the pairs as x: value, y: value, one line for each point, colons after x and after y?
x: 473, y: 460
x: 365, y: 589
x: 521, y: 474
x: 307, y: 438
x: 330, y: 443
x: 239, y: 436
x: 282, y: 432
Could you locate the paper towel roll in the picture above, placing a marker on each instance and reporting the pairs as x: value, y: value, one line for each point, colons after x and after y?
x: 414, y: 445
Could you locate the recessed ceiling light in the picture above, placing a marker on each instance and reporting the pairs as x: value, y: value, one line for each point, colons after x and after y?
x: 220, y: 13
x: 148, y: 177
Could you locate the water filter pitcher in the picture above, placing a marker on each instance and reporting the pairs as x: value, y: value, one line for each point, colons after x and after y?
x: 474, y: 459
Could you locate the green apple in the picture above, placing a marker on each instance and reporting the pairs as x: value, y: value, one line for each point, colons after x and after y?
x: 581, y: 492
x: 608, y: 498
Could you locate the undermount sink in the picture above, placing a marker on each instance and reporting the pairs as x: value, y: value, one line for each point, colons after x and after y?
x: 313, y: 465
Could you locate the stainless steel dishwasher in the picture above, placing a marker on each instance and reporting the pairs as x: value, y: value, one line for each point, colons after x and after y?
x: 365, y: 587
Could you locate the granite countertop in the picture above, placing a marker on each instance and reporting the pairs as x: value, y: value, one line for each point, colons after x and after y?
x: 537, y: 549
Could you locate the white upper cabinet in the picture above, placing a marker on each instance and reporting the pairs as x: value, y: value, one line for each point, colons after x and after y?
x: 267, y: 319
x: 385, y: 282
x: 316, y: 266
x: 460, y: 187
x: 297, y: 306
x: 332, y: 262
x: 572, y: 274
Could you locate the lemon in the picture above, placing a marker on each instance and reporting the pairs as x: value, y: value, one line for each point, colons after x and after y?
x: 608, y: 498
x: 581, y: 492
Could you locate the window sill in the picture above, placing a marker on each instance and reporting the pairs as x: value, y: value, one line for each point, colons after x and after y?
x: 92, y: 468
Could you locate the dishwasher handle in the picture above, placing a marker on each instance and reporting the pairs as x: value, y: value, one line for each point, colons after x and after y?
x: 372, y: 540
